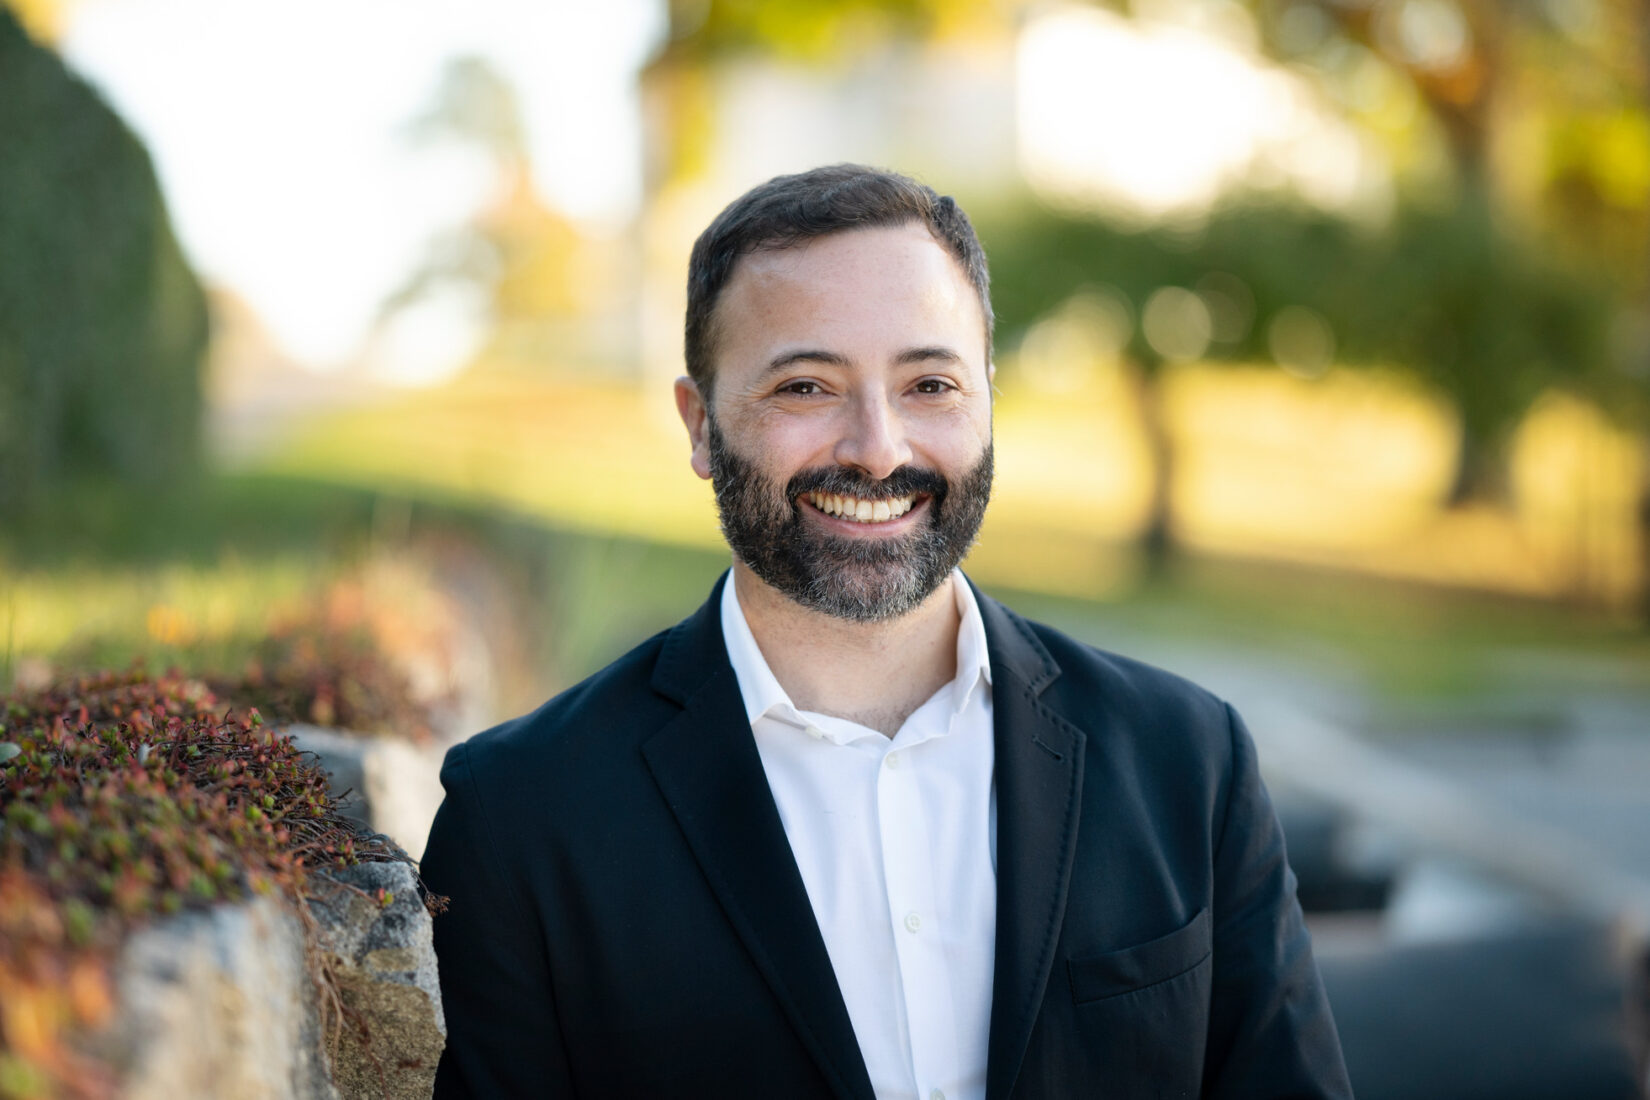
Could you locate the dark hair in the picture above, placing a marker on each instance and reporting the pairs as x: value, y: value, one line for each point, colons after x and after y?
x: 790, y: 209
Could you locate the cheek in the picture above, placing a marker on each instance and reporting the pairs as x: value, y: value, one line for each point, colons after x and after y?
x: 786, y: 440
x: 956, y: 438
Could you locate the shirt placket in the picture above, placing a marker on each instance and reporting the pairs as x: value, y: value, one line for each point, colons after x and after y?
x: 908, y: 874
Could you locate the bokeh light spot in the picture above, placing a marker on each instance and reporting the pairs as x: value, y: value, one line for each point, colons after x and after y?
x: 1177, y: 324
x: 1301, y: 341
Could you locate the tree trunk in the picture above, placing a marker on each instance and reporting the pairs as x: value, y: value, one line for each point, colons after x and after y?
x: 1481, y: 475
x: 1157, y: 536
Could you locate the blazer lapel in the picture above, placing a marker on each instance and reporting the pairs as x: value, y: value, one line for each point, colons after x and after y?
x: 1039, y: 775
x: 707, y: 767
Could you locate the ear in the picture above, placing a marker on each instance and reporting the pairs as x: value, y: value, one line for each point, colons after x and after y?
x: 690, y: 405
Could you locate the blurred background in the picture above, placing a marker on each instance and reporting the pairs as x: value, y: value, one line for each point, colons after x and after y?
x: 1324, y: 371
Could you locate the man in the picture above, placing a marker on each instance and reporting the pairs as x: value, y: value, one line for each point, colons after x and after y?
x: 855, y: 829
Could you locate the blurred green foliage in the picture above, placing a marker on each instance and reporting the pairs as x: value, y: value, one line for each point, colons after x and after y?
x: 809, y: 30
x: 102, y: 323
x: 1484, y: 318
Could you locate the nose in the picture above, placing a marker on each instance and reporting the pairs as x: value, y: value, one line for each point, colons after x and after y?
x: 873, y: 440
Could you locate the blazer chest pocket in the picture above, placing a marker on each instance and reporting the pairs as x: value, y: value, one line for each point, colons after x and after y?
x: 1097, y: 977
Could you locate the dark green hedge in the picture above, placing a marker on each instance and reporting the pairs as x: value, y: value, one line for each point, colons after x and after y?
x: 102, y: 323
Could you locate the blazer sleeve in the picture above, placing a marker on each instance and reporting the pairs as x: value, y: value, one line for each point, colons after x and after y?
x: 1270, y: 1030
x: 503, y: 1035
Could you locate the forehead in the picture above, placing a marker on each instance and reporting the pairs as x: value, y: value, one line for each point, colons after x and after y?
x: 856, y: 288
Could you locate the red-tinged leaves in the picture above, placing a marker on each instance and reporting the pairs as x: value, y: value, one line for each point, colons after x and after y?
x: 130, y: 797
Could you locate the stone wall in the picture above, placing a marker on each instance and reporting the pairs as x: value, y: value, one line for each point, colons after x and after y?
x: 217, y: 1004
x: 384, y: 968
x: 223, y: 1004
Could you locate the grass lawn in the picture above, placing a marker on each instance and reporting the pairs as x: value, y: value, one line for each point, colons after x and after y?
x: 606, y: 468
x: 196, y: 580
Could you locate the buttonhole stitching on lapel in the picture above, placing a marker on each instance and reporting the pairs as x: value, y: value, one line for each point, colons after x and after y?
x: 1037, y: 705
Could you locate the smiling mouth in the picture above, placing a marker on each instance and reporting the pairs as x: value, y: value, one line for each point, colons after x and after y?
x: 860, y: 510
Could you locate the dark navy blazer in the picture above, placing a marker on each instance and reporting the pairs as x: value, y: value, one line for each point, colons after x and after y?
x: 627, y: 919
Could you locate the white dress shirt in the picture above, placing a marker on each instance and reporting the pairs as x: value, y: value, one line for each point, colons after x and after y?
x: 896, y: 842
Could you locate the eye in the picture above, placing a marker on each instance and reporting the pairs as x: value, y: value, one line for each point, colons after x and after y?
x: 801, y: 387
x: 933, y: 386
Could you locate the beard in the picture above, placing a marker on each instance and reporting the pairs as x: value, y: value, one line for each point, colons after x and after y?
x: 860, y: 579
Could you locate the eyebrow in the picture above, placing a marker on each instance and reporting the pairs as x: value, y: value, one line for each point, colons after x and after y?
x: 833, y: 359
x: 806, y: 355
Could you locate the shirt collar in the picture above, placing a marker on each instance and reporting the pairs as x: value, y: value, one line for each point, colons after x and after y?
x: 763, y: 695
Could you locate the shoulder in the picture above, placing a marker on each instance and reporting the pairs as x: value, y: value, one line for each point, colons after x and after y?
x: 586, y: 739
x: 1113, y: 696
x: 1152, y: 739
x: 1124, y: 682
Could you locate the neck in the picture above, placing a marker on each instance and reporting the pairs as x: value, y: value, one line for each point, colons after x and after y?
x: 875, y: 674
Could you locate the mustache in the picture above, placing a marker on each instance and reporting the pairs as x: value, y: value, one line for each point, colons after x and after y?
x: 845, y: 481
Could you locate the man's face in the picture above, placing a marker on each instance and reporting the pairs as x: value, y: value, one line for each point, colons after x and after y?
x: 850, y: 438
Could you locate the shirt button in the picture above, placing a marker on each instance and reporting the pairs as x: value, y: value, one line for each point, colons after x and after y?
x: 912, y: 922
x: 892, y: 759
x: 936, y: 1094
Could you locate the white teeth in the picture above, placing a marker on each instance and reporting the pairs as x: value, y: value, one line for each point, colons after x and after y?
x: 862, y: 511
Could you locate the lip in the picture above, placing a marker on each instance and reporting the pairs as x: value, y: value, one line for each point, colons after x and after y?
x: 855, y: 529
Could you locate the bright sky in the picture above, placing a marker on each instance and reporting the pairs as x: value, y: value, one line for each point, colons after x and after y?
x: 278, y: 131
x: 1161, y: 115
